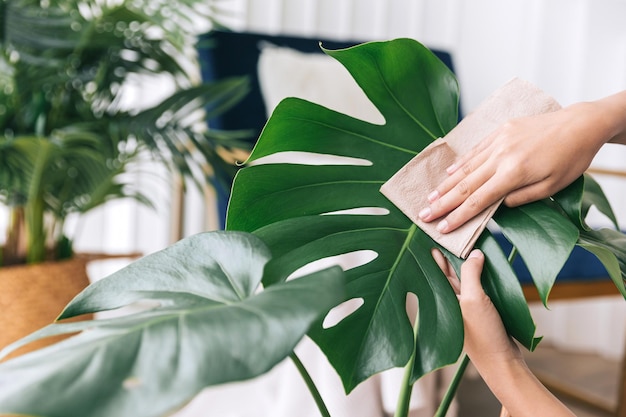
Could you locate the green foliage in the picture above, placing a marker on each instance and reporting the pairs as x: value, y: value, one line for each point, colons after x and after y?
x: 211, y: 326
x: 300, y: 212
x: 66, y: 136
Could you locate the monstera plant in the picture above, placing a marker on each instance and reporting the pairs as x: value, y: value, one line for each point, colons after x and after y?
x: 300, y: 212
x: 209, y: 320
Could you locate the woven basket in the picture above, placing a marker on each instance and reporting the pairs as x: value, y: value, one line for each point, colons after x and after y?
x: 32, y: 296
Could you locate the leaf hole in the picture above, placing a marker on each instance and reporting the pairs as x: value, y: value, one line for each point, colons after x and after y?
x: 135, y: 307
x: 340, y: 312
x: 346, y: 261
x: 309, y: 158
x: 372, y: 211
x: 412, y: 307
x: 131, y: 383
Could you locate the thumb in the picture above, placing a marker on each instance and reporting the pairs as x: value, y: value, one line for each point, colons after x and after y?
x: 470, y: 275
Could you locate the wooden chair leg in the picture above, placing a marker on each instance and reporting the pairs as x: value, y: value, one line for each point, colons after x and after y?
x: 621, y: 392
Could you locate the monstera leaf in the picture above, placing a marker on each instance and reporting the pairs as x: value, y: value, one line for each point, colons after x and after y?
x: 211, y: 327
x: 307, y: 212
x: 608, y: 245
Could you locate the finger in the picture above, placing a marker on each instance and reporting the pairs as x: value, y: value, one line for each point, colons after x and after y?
x: 447, y: 269
x: 533, y: 192
x: 488, y: 193
x: 452, y: 199
x: 470, y: 275
x: 474, y: 153
x: 441, y: 261
x: 458, y: 172
x: 455, y: 283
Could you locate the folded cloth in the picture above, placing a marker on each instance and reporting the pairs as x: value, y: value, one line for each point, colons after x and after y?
x: 408, y: 189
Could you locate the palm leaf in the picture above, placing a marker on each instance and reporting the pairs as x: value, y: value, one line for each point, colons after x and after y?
x: 175, y: 129
x: 64, y: 66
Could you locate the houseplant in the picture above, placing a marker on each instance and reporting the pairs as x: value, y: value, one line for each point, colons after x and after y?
x: 66, y: 133
x: 68, y: 141
x: 287, y: 206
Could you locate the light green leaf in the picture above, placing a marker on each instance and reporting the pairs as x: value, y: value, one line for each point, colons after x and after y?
x: 211, y: 327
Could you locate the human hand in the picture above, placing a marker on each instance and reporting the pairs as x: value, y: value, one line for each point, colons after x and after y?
x: 486, y: 340
x: 494, y: 354
x: 524, y: 160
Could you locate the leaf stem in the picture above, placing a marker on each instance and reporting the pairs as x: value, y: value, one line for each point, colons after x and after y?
x: 310, y: 385
x: 452, y: 388
x: 512, y: 255
x: 406, y: 387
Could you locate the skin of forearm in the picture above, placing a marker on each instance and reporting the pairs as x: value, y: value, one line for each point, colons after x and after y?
x: 519, y: 391
x: 609, y: 117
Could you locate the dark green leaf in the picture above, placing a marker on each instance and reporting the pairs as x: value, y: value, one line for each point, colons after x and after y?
x: 578, y: 197
x: 544, y: 238
x: 288, y: 205
x: 610, y: 248
x: 504, y: 290
x: 594, y: 196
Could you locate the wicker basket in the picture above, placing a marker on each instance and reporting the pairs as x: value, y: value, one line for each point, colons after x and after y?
x: 32, y: 296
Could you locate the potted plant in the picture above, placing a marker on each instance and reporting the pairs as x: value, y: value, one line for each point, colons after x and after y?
x: 211, y: 324
x: 68, y: 142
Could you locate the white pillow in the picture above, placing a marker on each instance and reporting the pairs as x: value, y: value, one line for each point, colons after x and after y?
x: 284, y: 72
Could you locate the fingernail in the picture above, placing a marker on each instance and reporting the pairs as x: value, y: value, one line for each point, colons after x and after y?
x: 433, y: 196
x: 425, y: 213
x: 476, y: 253
x: 451, y: 168
x: 442, y: 227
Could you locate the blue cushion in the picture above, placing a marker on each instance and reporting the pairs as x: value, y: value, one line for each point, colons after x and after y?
x: 226, y: 54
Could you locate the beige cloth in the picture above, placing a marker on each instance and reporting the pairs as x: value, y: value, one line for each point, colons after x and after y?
x: 408, y: 189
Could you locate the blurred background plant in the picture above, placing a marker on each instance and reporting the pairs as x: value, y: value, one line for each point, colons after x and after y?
x: 69, y: 138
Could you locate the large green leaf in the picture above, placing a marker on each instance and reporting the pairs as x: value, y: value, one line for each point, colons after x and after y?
x: 608, y: 245
x: 211, y: 327
x: 299, y: 211
x: 539, y: 232
x: 593, y: 195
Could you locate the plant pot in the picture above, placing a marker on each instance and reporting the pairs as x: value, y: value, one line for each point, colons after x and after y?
x: 33, y: 296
